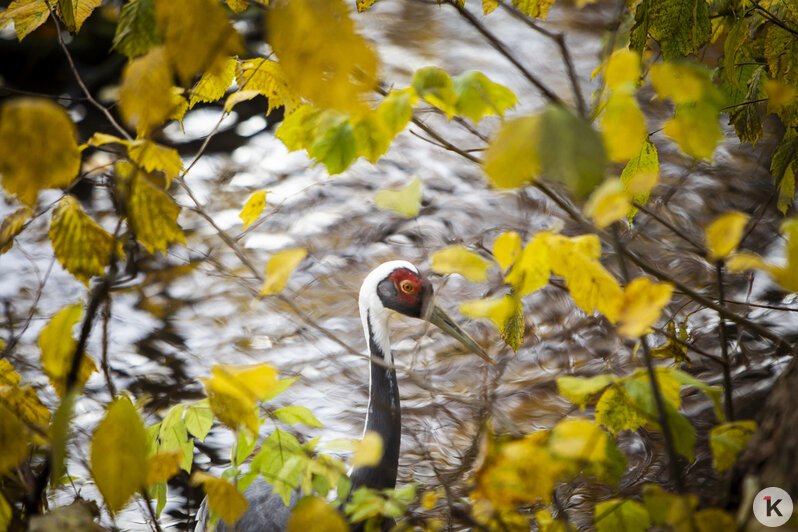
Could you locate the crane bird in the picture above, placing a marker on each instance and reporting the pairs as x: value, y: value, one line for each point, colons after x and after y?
x: 394, y: 286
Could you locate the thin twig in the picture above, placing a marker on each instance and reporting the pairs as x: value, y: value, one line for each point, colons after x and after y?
x: 150, y: 510
x: 699, y: 247
x: 104, y: 362
x: 724, y: 348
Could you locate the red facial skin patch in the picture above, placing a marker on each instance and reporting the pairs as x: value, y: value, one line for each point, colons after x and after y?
x: 404, y: 275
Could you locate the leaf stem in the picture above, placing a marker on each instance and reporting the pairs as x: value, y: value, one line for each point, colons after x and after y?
x: 724, y: 348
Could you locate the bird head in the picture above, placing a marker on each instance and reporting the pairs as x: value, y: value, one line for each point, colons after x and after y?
x: 399, y: 287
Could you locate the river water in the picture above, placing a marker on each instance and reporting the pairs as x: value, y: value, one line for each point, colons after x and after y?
x: 197, y: 307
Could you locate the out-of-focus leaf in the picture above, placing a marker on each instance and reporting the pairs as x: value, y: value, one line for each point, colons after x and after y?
x: 294, y: 414
x: 145, y: 95
x: 58, y: 349
x: 608, y: 203
x: 12, y: 225
x: 436, y: 87
x: 506, y: 314
x: 723, y: 235
x: 60, y: 434
x: 14, y: 438
x: 223, y: 497
x: 234, y: 390
x: 669, y: 509
x: 726, y: 442
x: 281, y: 461
x: 640, y: 175
x: 334, y: 145
x: 620, y: 514
x: 405, y: 201
x: 532, y: 268
x: 153, y: 157
x: 623, y: 126
x: 136, y: 33
x: 506, y: 249
x: 457, y: 259
x: 396, y: 109
x: 199, y: 419
x: 643, y: 301
x: 513, y: 159
x: 314, y: 513
x: 477, y: 96
x: 253, y: 207
x: 38, y: 149
x: 119, y: 454
x: 623, y: 67
x: 580, y: 390
x: 279, y: 269
x: 673, y: 349
x: 163, y: 466
x: 268, y: 79
x: 714, y: 520
x: 369, y: 450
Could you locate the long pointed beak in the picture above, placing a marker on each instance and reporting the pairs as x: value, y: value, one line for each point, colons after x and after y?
x: 438, y: 317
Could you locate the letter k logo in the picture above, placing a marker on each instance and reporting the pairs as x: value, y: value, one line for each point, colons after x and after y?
x: 772, y: 506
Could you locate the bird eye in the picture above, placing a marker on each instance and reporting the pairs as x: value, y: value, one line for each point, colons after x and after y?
x: 407, y: 287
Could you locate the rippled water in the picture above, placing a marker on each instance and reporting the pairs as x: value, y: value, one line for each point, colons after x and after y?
x: 169, y: 327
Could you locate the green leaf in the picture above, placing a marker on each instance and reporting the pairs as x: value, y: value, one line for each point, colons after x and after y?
x: 712, y: 392
x: 436, y: 88
x: 396, y: 110
x: 335, y: 145
x: 746, y: 117
x: 60, y: 432
x: 405, y: 201
x: 669, y: 509
x: 199, y: 419
x: 579, y: 390
x: 119, y: 454
x: 372, y: 137
x: 680, y: 27
x: 737, y: 36
x: 245, y: 445
x: 726, y: 442
x: 135, y: 33
x: 620, y: 514
x: 280, y: 461
x: 477, y: 96
x: 571, y: 151
x: 297, y: 414
x: 784, y: 166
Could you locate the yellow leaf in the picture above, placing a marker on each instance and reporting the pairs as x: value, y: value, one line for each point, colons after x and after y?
x: 643, y: 301
x: 623, y: 67
x: 237, y: 6
x: 279, y: 269
x: 435, y: 86
x: 744, y: 261
x: 372, y: 136
x: 5, y: 513
x: 12, y: 225
x: 457, y: 259
x: 623, y: 127
x: 14, y: 437
x: 8, y: 377
x: 153, y: 157
x: 695, y: 129
x: 234, y: 390
x: 723, y: 235
x: 369, y: 450
x: 580, y: 390
x: 534, y: 8
x: 608, y: 203
x: 532, y: 269
x: 363, y: 5
x: 81, y: 245
x: 27, y: 15
x: 151, y: 212
x: 75, y: 12
x: 101, y: 139
x: 579, y: 439
x: 506, y: 248
x: 163, y: 466
x: 640, y: 175
x: 38, y: 149
x: 489, y: 5
x: 405, y: 201
x: 214, y: 84
x: 298, y: 129
x: 429, y: 500
x: 268, y: 79
x: 779, y: 94
x: 497, y: 309
x: 314, y: 513
x: 682, y: 83
x: 119, y: 454
x: 512, y: 158
x: 237, y: 97
x: 477, y: 96
x: 253, y: 207
x: 197, y: 36
x: 58, y: 349
x: 726, y: 442
x: 323, y: 57
x: 145, y: 95
x: 396, y: 109
x: 223, y: 497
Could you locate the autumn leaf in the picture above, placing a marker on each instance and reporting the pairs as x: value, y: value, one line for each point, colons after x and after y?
x: 623, y: 127
x: 13, y: 439
x: 58, y: 349
x: 223, y: 497
x: 27, y: 15
x: 723, y: 235
x: 279, y: 269
x: 623, y: 67
x: 512, y: 158
x: 477, y: 96
x: 136, y: 32
x: 457, y: 259
x: 405, y: 201
x: 534, y: 8
x: 268, y: 79
x: 506, y: 248
x: 214, y: 84
x: 253, y: 207
x: 199, y: 419
x: 81, y: 245
x: 153, y: 157
x: 436, y: 88
x: 620, y: 514
x: 695, y: 129
x: 38, y: 149
x: 608, y: 203
x: 580, y: 390
x: 532, y: 268
x: 643, y: 301
x: 12, y: 225
x: 726, y: 442
x: 314, y: 513
x: 145, y: 95
x: 162, y: 466
x: 119, y: 454
x: 372, y: 136
x: 369, y: 450
x: 640, y: 175
x: 396, y: 109
x: 506, y: 314
x: 75, y: 12
x: 334, y: 144
x: 294, y: 414
x: 323, y: 56
x: 233, y: 392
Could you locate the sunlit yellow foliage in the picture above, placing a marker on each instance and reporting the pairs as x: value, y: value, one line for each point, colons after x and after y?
x: 279, y: 269
x: 75, y: 12
x: 623, y: 67
x: 38, y: 149
x: 579, y: 439
x: 506, y: 248
x: 27, y: 15
x: 489, y: 5
x: 314, y: 513
x: 512, y: 159
x: 396, y: 109
x: 532, y: 268
x: 695, y: 129
x: 197, y: 36
x: 13, y: 440
x: 234, y: 390
x: 12, y: 225
x: 268, y: 79
x: 145, y: 95
x: 58, y: 349
x: 673, y: 349
x: 324, y: 58
x: 477, y: 96
x: 119, y: 454
x: 405, y: 201
x: 608, y: 203
x: 643, y: 301
x: 162, y: 466
x: 223, y: 497
x: 81, y: 245
x: 153, y: 157
x: 534, y: 8
x: 641, y: 175
x: 253, y: 207
x: 681, y: 82
x: 505, y: 312
x: 214, y: 84
x: 363, y: 5
x: 726, y: 442
x: 369, y: 450
x: 623, y: 126
x: 723, y: 235
x: 620, y: 514
x: 5, y: 513
x: 293, y: 414
x: 457, y: 259
x: 436, y: 87
x: 580, y: 390
x: 787, y: 275
x: 151, y: 212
